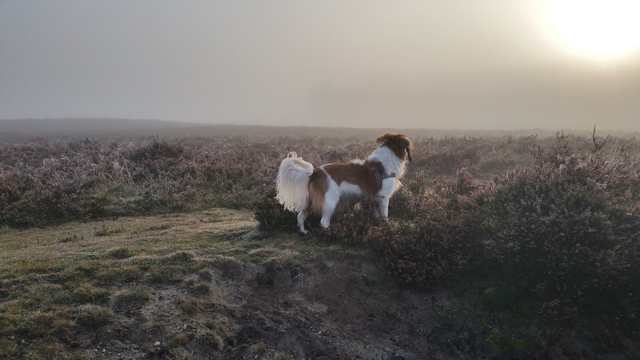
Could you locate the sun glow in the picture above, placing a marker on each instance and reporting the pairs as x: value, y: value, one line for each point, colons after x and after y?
x: 597, y: 28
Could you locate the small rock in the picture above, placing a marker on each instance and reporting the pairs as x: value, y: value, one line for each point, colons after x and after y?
x: 157, y: 343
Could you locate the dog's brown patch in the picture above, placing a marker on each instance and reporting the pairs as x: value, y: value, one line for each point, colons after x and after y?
x: 400, y: 144
x: 317, y: 188
x: 357, y: 174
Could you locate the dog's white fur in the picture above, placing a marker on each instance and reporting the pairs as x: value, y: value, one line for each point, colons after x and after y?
x: 294, y: 176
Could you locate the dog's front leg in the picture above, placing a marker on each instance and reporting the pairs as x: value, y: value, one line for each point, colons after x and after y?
x: 389, y: 186
x: 384, y: 206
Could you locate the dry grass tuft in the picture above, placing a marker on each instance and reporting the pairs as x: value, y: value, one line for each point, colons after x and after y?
x: 131, y: 298
x: 94, y: 317
x: 181, y: 340
x: 212, y: 339
x: 187, y: 305
x: 86, y: 293
x: 261, y: 349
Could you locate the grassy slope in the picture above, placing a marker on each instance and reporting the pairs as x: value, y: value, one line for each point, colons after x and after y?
x: 69, y: 290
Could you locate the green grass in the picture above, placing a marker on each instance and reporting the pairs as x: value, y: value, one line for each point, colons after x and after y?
x: 70, y: 285
x: 74, y: 280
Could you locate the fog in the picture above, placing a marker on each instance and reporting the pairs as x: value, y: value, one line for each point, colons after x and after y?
x: 492, y: 64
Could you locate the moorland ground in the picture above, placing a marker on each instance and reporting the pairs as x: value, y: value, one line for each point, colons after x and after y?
x: 499, y: 245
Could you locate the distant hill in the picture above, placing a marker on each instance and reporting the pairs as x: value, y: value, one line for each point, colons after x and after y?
x: 118, y: 129
x: 86, y: 127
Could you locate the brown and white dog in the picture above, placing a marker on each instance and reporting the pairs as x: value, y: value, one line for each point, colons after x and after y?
x: 303, y: 189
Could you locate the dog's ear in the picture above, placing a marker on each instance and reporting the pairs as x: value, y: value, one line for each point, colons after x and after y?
x: 400, y: 144
x: 408, y: 145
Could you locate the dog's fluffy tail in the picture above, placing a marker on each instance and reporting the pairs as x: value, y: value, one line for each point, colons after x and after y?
x: 293, y: 183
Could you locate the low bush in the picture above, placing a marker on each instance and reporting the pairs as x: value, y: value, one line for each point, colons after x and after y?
x: 271, y: 215
x: 431, y: 235
x: 353, y: 226
x: 569, y: 229
x: 445, y: 237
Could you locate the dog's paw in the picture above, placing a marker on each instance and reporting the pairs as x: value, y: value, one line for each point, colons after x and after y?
x: 302, y: 232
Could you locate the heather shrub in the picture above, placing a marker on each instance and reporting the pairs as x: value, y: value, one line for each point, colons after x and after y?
x: 444, y: 238
x: 271, y: 215
x: 406, y: 203
x: 435, y: 229
x: 33, y: 199
x: 42, y: 182
x: 352, y: 226
x: 569, y: 229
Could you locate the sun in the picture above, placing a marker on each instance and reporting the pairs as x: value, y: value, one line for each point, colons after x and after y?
x: 597, y: 28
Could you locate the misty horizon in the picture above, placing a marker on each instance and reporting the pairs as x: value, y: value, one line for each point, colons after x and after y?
x: 412, y: 64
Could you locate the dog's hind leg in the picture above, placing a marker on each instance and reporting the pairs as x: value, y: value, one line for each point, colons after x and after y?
x: 326, y: 219
x: 330, y: 204
x: 302, y: 216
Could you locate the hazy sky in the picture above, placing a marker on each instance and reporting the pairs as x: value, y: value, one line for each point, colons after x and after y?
x: 490, y: 64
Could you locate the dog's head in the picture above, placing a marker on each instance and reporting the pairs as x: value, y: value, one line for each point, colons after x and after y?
x: 400, y: 144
